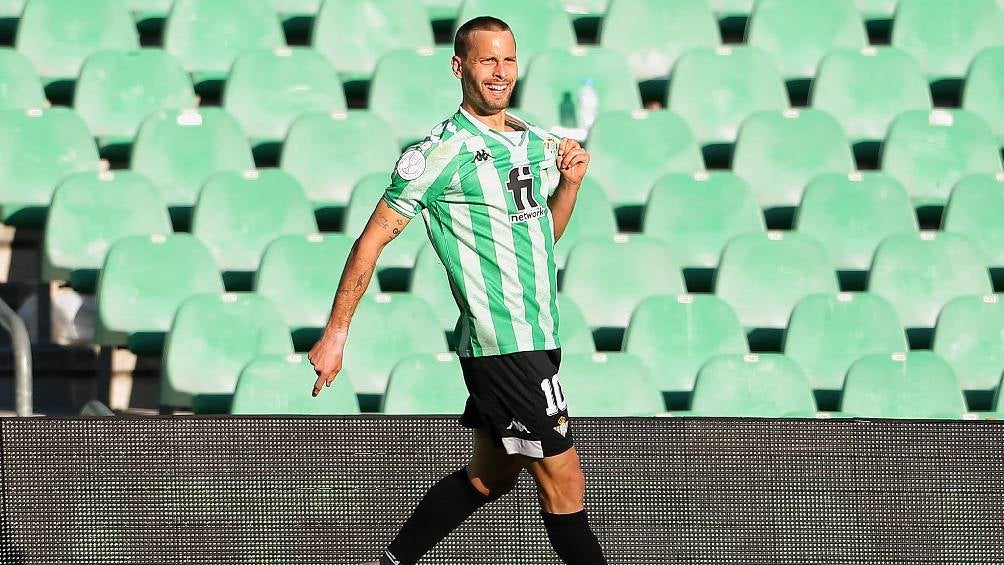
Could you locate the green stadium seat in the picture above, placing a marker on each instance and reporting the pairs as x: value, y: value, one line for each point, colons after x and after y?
x: 11, y: 8
x: 20, y: 87
x: 330, y: 153
x: 850, y: 214
x: 595, y: 274
x: 608, y: 384
x: 983, y: 90
x: 675, y: 335
x: 555, y: 77
x: 426, y: 383
x: 778, y: 153
x: 144, y: 10
x: 355, y: 34
x: 752, y: 386
x: 970, y: 337
x: 727, y: 209
x: 402, y: 73
x: 212, y: 338
x: 268, y: 89
x: 90, y: 212
x: 430, y: 283
x: 300, y: 275
x: 573, y: 331
x: 930, y: 151
x: 592, y: 217
x: 442, y: 10
x: 829, y: 332
x: 945, y: 36
x: 38, y: 149
x: 975, y: 210
x: 117, y: 90
x: 281, y: 384
x: 586, y: 8
x: 239, y: 214
x: 630, y: 150
x: 763, y: 277
x: 919, y: 274
x: 914, y: 385
x: 866, y: 89
x: 715, y: 90
x: 208, y: 36
x: 143, y: 282
x: 57, y: 35
x: 179, y: 150
x: 652, y: 37
x: 385, y: 329
x: 873, y: 10
x: 290, y: 9
x: 539, y: 25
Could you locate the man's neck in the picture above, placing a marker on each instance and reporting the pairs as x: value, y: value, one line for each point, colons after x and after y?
x: 494, y: 121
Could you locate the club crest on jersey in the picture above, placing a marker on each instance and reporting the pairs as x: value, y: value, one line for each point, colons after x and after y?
x: 562, y: 427
x: 550, y: 148
x: 411, y: 165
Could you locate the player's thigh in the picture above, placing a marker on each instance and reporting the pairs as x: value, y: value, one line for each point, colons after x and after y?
x: 559, y: 478
x: 490, y: 465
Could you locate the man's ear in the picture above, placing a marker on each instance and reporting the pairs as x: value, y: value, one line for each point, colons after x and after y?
x: 455, y: 63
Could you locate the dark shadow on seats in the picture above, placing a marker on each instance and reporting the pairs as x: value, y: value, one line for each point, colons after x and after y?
x: 929, y: 217
x: 212, y: 403
x: 181, y: 218
x: 718, y: 155
x: 798, y: 91
x: 997, y: 276
x: 305, y: 338
x: 60, y: 92
x: 146, y: 343
x: 394, y: 279
x: 676, y: 399
x: 879, y: 31
x: 947, y: 93
x: 297, y: 29
x: 608, y: 339
x: 238, y: 281
x: 653, y: 92
x: 329, y: 218
x: 442, y: 31
x: 210, y: 91
x: 733, y: 28
x: 779, y: 217
x: 629, y: 217
x: 8, y: 28
x: 266, y: 154
x: 919, y: 338
x: 980, y: 400
x: 765, y: 340
x: 357, y: 93
x: 867, y: 155
x: 699, y: 279
x: 828, y: 400
x: 852, y: 281
x: 587, y: 29
x: 27, y: 216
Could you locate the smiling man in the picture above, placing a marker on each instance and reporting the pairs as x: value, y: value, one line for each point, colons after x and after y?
x: 495, y: 193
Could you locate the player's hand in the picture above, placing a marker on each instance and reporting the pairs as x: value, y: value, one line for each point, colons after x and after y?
x: 572, y: 161
x: 326, y: 357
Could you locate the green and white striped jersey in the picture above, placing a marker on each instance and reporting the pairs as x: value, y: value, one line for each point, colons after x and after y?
x: 483, y: 196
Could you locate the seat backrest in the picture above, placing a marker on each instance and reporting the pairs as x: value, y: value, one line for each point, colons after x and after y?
x: 607, y: 384
x: 396, y: 79
x: 425, y: 383
x: 20, y: 86
x: 402, y: 251
x: 572, y: 327
x: 984, y: 83
x: 975, y: 210
x: 281, y: 384
x: 765, y: 385
x: 918, y: 384
x: 945, y: 36
x: 970, y: 337
x: 593, y: 217
x: 430, y: 282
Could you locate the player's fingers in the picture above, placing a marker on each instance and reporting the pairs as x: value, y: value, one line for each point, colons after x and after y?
x: 570, y: 156
x: 579, y: 160
x: 565, y: 145
x: 318, y: 385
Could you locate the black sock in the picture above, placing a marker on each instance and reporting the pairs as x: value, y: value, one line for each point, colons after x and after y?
x: 445, y: 506
x: 572, y: 539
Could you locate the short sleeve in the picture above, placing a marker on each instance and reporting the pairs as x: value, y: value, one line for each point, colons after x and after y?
x: 419, y: 178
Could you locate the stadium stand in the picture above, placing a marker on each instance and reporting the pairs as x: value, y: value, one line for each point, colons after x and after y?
x: 428, y: 383
x: 409, y: 116
x: 872, y: 10
x: 917, y: 384
x: 145, y: 10
x: 430, y: 283
x: 752, y: 385
x: 975, y: 210
x: 20, y: 86
x: 212, y: 338
x: 89, y: 212
x: 293, y: 9
x: 970, y: 337
x: 829, y: 332
x: 675, y: 335
x: 732, y: 14
x: 593, y: 217
x: 440, y: 10
x: 587, y: 385
x: 984, y: 85
x: 265, y: 386
x: 573, y: 332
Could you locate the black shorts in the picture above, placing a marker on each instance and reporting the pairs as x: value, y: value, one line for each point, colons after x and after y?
x: 519, y: 399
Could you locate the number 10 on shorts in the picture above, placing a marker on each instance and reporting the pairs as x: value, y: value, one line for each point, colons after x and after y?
x: 554, y: 395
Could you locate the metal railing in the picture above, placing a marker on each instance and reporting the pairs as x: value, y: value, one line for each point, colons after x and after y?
x: 22, y: 358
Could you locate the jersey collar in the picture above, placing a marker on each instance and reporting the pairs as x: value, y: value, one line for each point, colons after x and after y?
x: 474, y: 124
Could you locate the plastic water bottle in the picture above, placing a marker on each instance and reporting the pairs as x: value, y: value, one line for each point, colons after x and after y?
x: 588, y: 102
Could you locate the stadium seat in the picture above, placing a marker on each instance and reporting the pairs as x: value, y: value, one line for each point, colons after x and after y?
x: 57, y: 35
x: 592, y: 217
x: 752, y: 386
x: 179, y: 150
x: 239, y: 214
x: 291, y: 9
x: 38, y: 149
x: 930, y: 151
x: 212, y: 338
x: 430, y: 283
x: 919, y: 274
x: 555, y: 77
x: 652, y: 36
x: 426, y: 383
x: 426, y: 71
x: 970, y: 337
x: 573, y: 331
x: 715, y: 90
x: 117, y: 90
x: 281, y: 384
x: 850, y: 214
x: 442, y: 10
x: 608, y: 384
x: 268, y: 89
x: 798, y: 34
x: 300, y: 275
x: 675, y: 335
x: 727, y: 209
x: 918, y: 384
x: 874, y: 10
x: 355, y: 34
x: 595, y: 274
x: 208, y: 36
x: 829, y: 332
x: 975, y: 211
x: 945, y: 36
x: 144, y: 10
x: 778, y: 153
x: 20, y: 87
x: 982, y: 92
x: 763, y: 277
x: 866, y: 89
x: 143, y: 282
x: 398, y: 257
x: 630, y: 150
x: 586, y: 8
x: 539, y: 25
x: 90, y: 212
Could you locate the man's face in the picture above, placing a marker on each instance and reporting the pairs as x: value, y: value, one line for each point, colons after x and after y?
x: 488, y: 72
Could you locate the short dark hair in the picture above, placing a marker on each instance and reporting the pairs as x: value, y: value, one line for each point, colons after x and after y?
x: 480, y: 23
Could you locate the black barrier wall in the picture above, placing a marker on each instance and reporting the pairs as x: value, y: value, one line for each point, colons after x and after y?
x: 335, y: 490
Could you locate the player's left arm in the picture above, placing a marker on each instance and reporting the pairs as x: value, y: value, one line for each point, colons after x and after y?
x: 572, y: 162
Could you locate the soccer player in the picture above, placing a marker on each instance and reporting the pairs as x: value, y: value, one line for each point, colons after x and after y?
x: 495, y: 193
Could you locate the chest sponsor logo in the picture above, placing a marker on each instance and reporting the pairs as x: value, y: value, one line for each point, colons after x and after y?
x: 520, y: 185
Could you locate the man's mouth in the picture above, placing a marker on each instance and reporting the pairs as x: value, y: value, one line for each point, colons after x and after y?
x: 497, y: 87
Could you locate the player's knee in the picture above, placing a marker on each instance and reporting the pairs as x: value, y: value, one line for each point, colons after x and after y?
x: 495, y: 486
x: 564, y: 492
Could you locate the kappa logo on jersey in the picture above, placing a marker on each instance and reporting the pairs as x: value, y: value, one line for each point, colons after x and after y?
x: 411, y: 165
x: 518, y: 426
x: 482, y: 155
x: 521, y: 186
